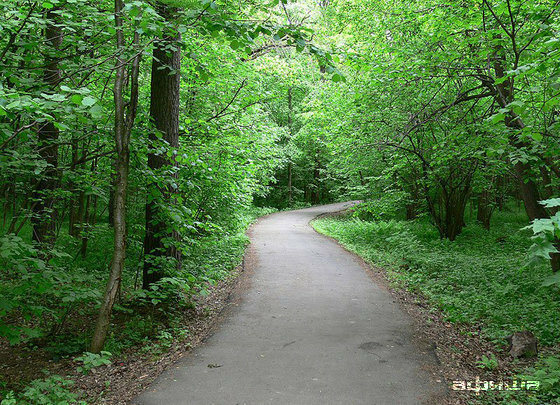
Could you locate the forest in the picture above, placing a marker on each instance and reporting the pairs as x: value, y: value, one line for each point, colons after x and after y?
x: 139, y: 139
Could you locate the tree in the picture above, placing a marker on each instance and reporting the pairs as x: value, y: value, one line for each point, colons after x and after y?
x: 164, y: 113
x: 44, y: 213
x: 125, y: 115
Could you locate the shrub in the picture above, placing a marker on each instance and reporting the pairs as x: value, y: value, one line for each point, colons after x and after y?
x: 48, y: 391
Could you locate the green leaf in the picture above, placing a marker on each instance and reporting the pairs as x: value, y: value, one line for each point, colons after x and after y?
x: 96, y: 111
x: 497, y: 118
x: 76, y: 99
x: 542, y: 225
x: 517, y: 106
x: 537, y: 136
x: 337, y: 78
x: 550, y: 203
x: 550, y: 104
x: 60, y: 126
x: 88, y: 101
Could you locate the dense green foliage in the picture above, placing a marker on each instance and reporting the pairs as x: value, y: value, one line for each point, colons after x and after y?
x: 228, y: 137
x: 139, y: 139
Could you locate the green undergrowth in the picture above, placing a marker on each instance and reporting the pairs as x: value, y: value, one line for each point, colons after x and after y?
x: 150, y: 321
x: 51, y: 390
x: 482, y: 278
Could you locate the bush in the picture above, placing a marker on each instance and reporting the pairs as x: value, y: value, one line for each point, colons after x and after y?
x: 49, y: 391
x: 388, y: 206
x: 92, y: 360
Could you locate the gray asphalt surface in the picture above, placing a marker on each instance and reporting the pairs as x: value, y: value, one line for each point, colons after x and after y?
x: 312, y: 328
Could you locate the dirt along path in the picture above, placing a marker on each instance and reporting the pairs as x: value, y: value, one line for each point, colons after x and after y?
x: 311, y: 328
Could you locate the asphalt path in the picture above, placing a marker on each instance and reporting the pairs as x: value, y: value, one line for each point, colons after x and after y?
x: 311, y: 328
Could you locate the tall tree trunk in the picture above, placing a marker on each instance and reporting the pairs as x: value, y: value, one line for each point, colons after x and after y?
x: 410, y: 212
x: 529, y: 192
x: 44, y: 216
x: 290, y: 188
x: 454, y: 219
x: 119, y: 253
x: 362, y: 180
x: 504, y: 95
x: 164, y: 112
x: 111, y: 204
x: 79, y: 214
x: 72, y: 203
x: 123, y: 128
x: 414, y: 204
x: 447, y: 208
x: 500, y: 199
x: 316, y: 191
x: 85, y: 228
x: 484, y: 211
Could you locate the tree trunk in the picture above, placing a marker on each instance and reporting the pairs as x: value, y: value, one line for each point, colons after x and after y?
x: 290, y: 191
x: 79, y: 215
x: 500, y: 199
x: 316, y: 190
x: 85, y: 228
x: 94, y: 211
x: 411, y: 211
x: 447, y: 209
x: 529, y: 192
x: 362, y: 180
x: 44, y: 215
x: 72, y: 203
x: 111, y: 205
x: 455, y: 214
x: 484, y: 211
x: 504, y: 95
x: 530, y: 195
x: 123, y: 128
x: 119, y: 253
x: 164, y: 112
x: 413, y: 206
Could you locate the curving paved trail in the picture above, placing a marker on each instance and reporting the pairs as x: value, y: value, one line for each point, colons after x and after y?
x: 313, y: 328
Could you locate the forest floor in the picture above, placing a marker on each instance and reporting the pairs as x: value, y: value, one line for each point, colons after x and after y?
x: 452, y: 350
x: 136, y: 367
